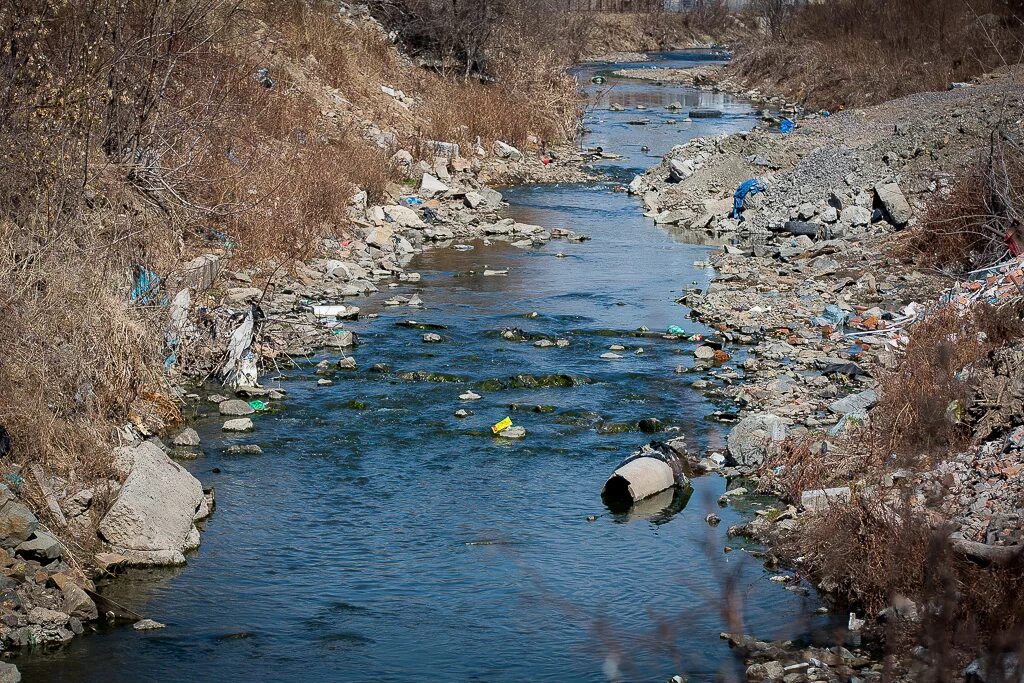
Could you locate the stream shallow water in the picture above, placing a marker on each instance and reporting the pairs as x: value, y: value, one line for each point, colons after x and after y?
x: 398, y: 543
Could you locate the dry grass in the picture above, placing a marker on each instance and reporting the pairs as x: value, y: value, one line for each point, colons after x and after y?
x: 972, y: 226
x: 846, y: 53
x: 138, y: 137
x: 923, y: 405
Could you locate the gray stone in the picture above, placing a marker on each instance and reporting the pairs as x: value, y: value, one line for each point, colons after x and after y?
x: 238, y: 295
x: 244, y: 449
x: 42, y: 546
x: 187, y: 437
x: 680, y: 169
x: 151, y: 522
x: 17, y: 523
x: 854, y: 404
x: 513, y: 433
x: 47, y: 617
x: 820, y: 500
x: 506, y: 151
x: 856, y: 215
x: 755, y: 438
x: 894, y: 202
x: 235, y: 407
x: 9, y: 673
x: 431, y: 338
x: 431, y: 186
x: 147, y: 625
x: 239, y: 424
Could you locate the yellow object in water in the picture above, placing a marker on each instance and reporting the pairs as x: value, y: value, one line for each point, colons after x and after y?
x: 504, y: 424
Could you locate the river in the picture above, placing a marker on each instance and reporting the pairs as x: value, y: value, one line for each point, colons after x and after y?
x: 380, y: 538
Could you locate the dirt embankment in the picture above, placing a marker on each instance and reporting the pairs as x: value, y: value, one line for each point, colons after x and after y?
x: 872, y: 391
x: 610, y: 36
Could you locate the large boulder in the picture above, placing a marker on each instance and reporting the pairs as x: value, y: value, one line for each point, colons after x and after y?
x: 151, y: 522
x: 755, y: 438
x: 17, y: 523
x: 896, y: 205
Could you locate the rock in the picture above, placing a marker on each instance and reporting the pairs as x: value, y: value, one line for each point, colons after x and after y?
x: 77, y: 602
x: 110, y: 562
x: 235, y: 407
x: 902, y: 609
x: 239, y: 295
x: 462, y: 412
x: 505, y: 151
x: 151, y: 522
x: 9, y: 673
x: 431, y: 338
x: 240, y: 424
x: 855, y: 404
x: 756, y: 437
x: 829, y: 215
x: 473, y: 200
x: 187, y: 437
x: 244, y: 449
x: 855, y: 215
x: 42, y: 547
x: 470, y: 396
x: 346, y: 363
x: 381, y: 237
x: 704, y: 353
x: 767, y: 671
x: 820, y: 500
x: 17, y: 523
x: 610, y: 356
x: 47, y: 617
x: 712, y: 519
x: 147, y: 625
x: 679, y: 169
x: 896, y: 205
x: 513, y: 433
x: 431, y: 186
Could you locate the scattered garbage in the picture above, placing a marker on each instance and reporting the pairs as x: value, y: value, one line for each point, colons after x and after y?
x: 675, y: 329
x: 240, y: 368
x: 746, y: 188
x: 597, y: 80
x: 262, y: 76
x: 257, y: 405
x: 147, y: 283
x: 498, y: 427
x: 787, y: 126
x: 336, y: 311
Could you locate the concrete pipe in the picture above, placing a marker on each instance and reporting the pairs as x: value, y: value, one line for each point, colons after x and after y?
x: 649, y: 471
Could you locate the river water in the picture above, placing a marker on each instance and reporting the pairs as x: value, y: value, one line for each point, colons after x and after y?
x: 380, y: 538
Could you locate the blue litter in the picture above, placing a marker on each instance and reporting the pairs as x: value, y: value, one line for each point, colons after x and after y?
x: 412, y: 201
x: 675, y: 329
x: 146, y: 284
x: 787, y: 126
x: 747, y: 187
x: 855, y: 350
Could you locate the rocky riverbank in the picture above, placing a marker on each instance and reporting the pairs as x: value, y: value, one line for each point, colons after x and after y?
x: 815, y: 299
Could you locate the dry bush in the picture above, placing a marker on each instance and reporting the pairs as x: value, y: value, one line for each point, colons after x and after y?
x: 866, y: 552
x: 924, y: 403
x: 845, y: 53
x: 972, y: 226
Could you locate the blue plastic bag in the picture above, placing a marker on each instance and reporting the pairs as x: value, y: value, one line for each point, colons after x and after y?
x: 787, y: 126
x: 747, y: 187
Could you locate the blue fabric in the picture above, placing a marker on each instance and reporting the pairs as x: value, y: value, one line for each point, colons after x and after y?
x: 146, y: 284
x: 747, y: 187
x: 787, y: 126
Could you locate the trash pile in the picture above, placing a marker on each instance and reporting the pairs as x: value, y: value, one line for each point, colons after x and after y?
x: 996, y: 285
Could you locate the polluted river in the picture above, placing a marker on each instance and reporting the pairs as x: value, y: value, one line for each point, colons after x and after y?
x: 379, y: 537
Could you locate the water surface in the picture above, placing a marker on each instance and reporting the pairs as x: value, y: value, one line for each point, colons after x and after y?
x: 380, y: 538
